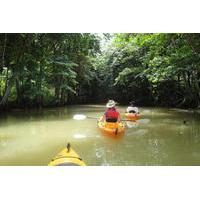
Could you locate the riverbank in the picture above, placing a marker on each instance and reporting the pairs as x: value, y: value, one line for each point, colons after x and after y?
x: 15, y: 108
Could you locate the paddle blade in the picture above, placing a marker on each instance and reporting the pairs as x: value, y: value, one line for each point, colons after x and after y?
x: 144, y: 121
x: 79, y: 117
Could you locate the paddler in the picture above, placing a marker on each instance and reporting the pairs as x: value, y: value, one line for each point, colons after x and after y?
x: 111, y: 114
x: 132, y: 108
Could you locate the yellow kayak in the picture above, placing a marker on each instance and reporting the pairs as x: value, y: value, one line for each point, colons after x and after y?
x: 132, y: 116
x: 111, y: 128
x: 67, y: 157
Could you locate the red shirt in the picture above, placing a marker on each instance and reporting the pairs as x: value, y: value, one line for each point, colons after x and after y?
x: 112, y: 113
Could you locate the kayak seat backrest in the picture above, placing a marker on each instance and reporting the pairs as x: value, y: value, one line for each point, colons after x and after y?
x: 113, y: 120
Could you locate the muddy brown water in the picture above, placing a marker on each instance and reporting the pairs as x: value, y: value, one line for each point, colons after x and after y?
x: 160, y: 138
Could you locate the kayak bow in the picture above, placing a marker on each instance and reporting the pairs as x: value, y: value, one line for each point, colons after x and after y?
x: 67, y: 157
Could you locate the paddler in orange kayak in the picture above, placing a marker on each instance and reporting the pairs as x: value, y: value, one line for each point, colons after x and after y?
x: 132, y: 108
x: 111, y: 114
x: 132, y: 112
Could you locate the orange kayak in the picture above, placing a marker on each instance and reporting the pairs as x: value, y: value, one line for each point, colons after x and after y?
x: 111, y: 128
x: 132, y: 116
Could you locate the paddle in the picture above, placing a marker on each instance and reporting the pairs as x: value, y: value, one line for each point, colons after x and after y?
x: 82, y: 117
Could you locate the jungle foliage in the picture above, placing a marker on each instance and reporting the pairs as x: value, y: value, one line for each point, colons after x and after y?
x: 153, y: 69
x: 44, y: 69
x: 57, y: 69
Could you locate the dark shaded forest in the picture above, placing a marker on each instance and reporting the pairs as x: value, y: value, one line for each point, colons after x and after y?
x: 43, y: 70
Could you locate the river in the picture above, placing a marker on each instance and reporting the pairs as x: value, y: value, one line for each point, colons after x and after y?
x: 161, y: 137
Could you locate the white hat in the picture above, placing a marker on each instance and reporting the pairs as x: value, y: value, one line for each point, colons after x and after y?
x: 111, y: 104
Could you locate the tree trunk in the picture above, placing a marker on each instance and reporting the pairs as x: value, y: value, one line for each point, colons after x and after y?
x: 40, y: 95
x: 19, y: 93
x: 3, y: 53
x: 178, y: 82
x: 7, y: 92
x: 57, y: 92
x: 197, y: 88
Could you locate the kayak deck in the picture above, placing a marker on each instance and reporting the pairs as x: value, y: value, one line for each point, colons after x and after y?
x: 67, y: 157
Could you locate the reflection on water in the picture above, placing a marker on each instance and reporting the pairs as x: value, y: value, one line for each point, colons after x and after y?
x: 160, y: 137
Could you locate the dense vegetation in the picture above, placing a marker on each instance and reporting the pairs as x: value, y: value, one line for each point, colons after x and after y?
x: 154, y: 69
x: 58, y: 69
x: 44, y: 69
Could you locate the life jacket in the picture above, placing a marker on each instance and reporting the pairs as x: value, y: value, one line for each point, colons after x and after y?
x: 111, y: 114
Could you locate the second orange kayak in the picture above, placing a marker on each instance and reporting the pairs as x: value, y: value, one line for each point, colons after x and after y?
x: 132, y: 116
